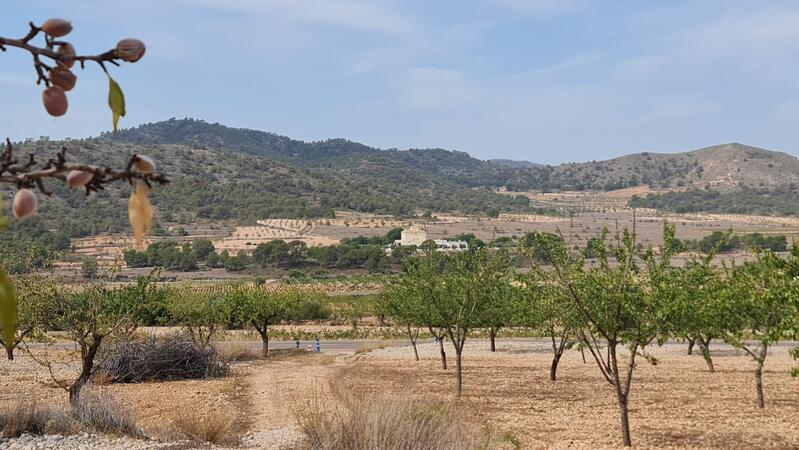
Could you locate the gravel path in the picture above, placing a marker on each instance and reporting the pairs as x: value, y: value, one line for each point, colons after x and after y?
x: 87, y: 442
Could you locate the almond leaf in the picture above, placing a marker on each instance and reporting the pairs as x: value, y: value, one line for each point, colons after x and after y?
x: 8, y: 311
x: 116, y: 101
x: 140, y: 213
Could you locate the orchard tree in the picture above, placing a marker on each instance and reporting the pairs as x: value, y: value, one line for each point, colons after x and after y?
x: 53, y: 61
x: 614, y: 300
x: 35, y: 294
x: 402, y: 304
x: 89, y: 317
x: 761, y: 307
x: 201, y: 314
x: 500, y: 311
x: 470, y: 280
x: 262, y: 306
x: 545, y: 305
x: 696, y: 305
x: 421, y: 286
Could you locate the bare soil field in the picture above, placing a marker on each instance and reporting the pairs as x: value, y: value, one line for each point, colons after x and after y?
x: 674, y: 405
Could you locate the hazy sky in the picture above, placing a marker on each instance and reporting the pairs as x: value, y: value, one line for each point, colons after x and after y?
x: 542, y: 80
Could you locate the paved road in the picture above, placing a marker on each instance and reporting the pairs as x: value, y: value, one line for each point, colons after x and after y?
x: 347, y: 346
x: 355, y: 345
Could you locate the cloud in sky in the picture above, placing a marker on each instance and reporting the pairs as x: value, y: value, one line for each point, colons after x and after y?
x: 542, y: 80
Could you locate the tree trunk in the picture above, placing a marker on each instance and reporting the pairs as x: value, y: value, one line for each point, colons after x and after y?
x: 492, y: 336
x: 761, y: 401
x: 553, y: 369
x: 458, y: 370
x: 557, y: 352
x: 10, y: 353
x: 263, y: 331
x: 622, y: 391
x: 413, y: 340
x: 265, y: 345
x: 582, y: 352
x: 704, y: 347
x: 443, y: 353
x: 625, y: 418
x: 691, y: 342
x: 87, y: 364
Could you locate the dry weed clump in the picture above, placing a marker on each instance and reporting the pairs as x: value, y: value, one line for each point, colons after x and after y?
x: 387, y: 422
x: 27, y: 417
x: 100, y: 412
x: 95, y: 411
x: 215, y: 427
x: 237, y: 351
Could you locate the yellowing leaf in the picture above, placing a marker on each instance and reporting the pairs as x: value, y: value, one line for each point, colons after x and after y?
x: 116, y: 101
x: 140, y: 213
x: 8, y: 311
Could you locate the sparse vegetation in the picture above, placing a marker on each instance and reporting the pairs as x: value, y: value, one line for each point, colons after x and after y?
x: 215, y: 427
x: 394, y: 423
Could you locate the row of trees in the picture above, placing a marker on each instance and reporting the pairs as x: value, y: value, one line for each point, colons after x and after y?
x: 97, y: 314
x: 615, y: 308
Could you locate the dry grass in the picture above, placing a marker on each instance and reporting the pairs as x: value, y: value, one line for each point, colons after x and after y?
x: 237, y: 351
x: 27, y: 417
x: 101, y: 412
x: 95, y: 412
x: 216, y: 427
x: 385, y: 422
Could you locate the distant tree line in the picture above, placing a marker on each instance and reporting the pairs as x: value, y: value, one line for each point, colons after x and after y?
x: 782, y: 201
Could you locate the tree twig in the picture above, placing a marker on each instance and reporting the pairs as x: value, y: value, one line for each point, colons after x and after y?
x: 32, y: 174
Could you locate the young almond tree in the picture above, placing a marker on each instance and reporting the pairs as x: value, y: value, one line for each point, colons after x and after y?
x: 401, y: 303
x: 35, y: 295
x: 614, y: 301
x: 761, y: 307
x: 696, y: 304
x: 263, y: 306
x: 545, y: 306
x: 501, y: 310
x: 201, y: 314
x: 470, y: 282
x: 89, y: 318
x: 421, y: 287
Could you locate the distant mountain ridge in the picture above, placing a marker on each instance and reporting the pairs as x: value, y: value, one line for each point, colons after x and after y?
x: 238, y: 175
x: 725, y: 167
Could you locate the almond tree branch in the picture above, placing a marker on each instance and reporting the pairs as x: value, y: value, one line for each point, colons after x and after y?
x: 28, y: 175
x: 50, y: 52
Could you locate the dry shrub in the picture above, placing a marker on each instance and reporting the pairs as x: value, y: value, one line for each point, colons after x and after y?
x: 387, y: 422
x: 235, y: 351
x: 175, y: 358
x: 216, y: 427
x: 100, y: 412
x: 27, y: 417
x: 94, y: 412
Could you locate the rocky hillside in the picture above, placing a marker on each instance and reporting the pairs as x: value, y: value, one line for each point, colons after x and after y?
x: 222, y: 173
x: 724, y: 167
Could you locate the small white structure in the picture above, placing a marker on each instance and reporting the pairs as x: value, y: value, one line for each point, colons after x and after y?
x: 445, y: 245
x: 413, y: 236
